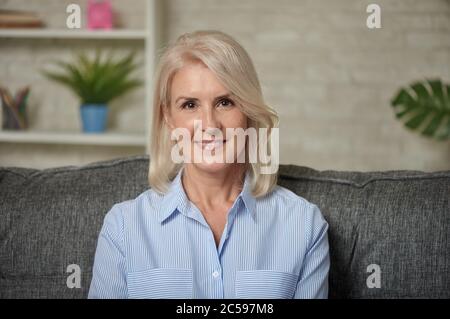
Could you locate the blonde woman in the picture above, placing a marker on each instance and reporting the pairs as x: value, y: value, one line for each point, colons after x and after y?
x: 211, y: 228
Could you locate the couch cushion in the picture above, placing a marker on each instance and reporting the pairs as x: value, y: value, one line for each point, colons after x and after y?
x: 398, y: 220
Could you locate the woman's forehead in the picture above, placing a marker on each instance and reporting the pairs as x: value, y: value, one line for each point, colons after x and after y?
x: 197, y: 81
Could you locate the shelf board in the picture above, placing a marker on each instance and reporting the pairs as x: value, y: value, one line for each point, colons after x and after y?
x: 73, y: 138
x: 73, y: 34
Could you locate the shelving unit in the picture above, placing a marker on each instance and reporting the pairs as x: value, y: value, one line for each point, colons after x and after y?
x: 73, y: 34
x: 73, y: 138
x: 152, y: 38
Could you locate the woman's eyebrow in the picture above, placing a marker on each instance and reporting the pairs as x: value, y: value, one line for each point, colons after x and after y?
x: 227, y: 95
x: 186, y: 98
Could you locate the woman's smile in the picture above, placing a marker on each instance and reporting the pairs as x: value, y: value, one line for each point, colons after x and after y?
x: 210, y: 144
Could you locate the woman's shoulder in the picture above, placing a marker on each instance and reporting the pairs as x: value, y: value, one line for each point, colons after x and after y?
x: 285, y: 201
x: 287, y: 197
x: 147, y: 201
x: 295, y: 211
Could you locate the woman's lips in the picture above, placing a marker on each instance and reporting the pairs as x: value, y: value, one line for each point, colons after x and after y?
x: 210, y: 144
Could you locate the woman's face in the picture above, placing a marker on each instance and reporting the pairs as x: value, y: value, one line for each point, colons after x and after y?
x: 202, y: 106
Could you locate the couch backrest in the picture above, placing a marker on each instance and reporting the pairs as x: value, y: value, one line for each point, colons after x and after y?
x: 396, y: 220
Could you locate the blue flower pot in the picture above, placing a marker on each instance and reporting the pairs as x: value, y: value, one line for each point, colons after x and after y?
x: 94, y: 117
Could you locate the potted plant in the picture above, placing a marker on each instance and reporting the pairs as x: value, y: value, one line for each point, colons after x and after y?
x: 425, y: 107
x: 96, y: 82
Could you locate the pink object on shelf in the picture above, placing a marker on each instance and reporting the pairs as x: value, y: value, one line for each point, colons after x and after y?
x: 99, y: 14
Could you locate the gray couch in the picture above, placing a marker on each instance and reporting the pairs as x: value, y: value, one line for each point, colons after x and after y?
x: 398, y: 220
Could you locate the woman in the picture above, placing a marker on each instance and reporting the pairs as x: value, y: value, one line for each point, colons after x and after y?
x: 210, y: 228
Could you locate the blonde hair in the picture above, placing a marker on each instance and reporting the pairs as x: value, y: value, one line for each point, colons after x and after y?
x: 232, y: 65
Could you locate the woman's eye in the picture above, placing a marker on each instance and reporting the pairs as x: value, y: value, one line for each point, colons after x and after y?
x: 188, y: 105
x: 226, y: 103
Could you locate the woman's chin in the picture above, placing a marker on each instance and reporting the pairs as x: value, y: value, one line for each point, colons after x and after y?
x: 212, y: 167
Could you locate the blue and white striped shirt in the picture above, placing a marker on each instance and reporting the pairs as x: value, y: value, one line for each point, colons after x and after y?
x: 160, y: 246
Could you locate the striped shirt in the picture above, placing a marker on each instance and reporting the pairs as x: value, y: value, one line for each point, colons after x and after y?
x: 160, y: 246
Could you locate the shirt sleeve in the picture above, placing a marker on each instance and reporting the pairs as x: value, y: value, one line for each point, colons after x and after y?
x: 313, y: 279
x: 109, y: 272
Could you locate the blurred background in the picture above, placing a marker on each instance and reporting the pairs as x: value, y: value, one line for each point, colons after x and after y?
x: 331, y: 79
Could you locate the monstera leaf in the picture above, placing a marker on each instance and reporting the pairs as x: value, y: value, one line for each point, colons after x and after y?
x: 425, y: 107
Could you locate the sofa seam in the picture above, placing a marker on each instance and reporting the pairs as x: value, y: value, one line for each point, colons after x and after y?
x: 361, y: 185
x: 75, y: 168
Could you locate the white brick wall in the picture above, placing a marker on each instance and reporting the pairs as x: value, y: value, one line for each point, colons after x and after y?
x: 329, y: 77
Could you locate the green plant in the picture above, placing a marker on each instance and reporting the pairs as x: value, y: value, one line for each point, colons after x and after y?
x: 97, y: 80
x: 425, y: 107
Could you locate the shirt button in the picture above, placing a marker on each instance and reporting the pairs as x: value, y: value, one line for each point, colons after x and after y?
x: 215, y: 274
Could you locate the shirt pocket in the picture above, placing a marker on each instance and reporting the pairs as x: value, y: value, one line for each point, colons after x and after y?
x: 263, y: 284
x: 161, y: 283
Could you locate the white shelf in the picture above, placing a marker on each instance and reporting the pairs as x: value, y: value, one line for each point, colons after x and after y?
x: 73, y: 34
x: 150, y: 35
x: 77, y: 138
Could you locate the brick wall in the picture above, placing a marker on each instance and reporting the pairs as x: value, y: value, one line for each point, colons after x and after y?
x: 329, y: 77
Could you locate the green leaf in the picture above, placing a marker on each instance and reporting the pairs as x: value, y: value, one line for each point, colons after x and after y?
x: 431, y: 128
x: 447, y: 100
x: 418, y: 118
x: 403, y: 97
x: 421, y: 91
x: 99, y: 79
x: 425, y: 107
x: 438, y: 92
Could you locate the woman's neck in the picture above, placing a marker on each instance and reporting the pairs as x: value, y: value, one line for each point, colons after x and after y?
x: 211, y: 189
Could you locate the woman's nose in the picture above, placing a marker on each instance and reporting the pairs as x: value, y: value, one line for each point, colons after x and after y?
x: 209, y: 118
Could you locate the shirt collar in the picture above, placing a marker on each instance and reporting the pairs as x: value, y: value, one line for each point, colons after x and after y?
x: 176, y: 198
x: 247, y: 196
